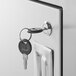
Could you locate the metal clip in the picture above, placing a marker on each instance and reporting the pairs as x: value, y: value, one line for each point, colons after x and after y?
x: 46, y: 27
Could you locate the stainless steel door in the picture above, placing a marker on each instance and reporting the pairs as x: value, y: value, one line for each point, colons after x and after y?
x: 15, y: 15
x: 55, y: 40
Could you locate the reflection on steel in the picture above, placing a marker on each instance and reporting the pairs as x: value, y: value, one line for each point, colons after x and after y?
x: 44, y: 59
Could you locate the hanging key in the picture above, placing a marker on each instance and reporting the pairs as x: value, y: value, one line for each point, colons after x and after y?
x: 25, y: 48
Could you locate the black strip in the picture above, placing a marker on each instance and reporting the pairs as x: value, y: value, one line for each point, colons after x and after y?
x: 47, y: 4
x: 61, y: 27
x: 61, y: 22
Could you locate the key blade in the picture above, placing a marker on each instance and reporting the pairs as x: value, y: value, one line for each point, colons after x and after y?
x: 25, y: 58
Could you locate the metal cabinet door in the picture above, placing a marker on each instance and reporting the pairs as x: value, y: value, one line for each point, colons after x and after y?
x: 15, y: 15
x: 47, y: 12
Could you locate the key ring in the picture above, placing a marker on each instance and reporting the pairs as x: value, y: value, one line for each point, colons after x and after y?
x: 27, y: 32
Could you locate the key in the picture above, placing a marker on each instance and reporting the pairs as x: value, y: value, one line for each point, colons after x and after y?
x: 25, y: 58
x: 25, y: 48
x: 35, y: 30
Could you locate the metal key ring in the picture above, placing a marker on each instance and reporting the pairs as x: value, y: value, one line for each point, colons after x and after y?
x: 27, y: 32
